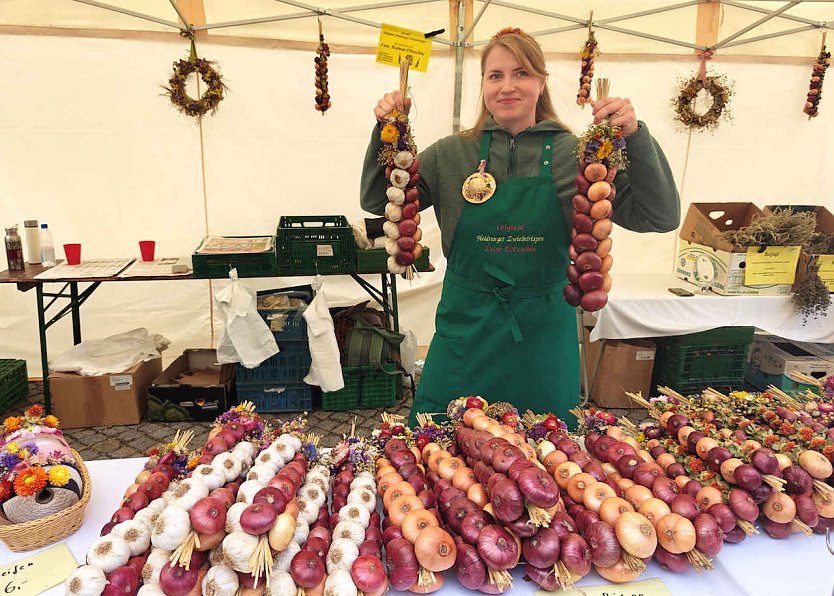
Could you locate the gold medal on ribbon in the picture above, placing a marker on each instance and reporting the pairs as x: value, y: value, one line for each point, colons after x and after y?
x: 480, y: 186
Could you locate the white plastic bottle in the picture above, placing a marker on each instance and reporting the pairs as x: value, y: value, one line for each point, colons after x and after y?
x: 47, y: 247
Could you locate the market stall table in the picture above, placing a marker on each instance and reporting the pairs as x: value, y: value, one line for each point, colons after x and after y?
x: 759, y: 566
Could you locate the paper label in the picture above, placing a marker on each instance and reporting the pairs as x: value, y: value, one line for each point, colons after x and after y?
x: 36, y: 574
x: 826, y: 272
x: 121, y: 382
x: 396, y: 43
x: 645, y: 355
x: 648, y: 587
x: 774, y: 265
x: 324, y: 250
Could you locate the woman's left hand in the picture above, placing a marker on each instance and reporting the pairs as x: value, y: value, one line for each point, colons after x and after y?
x: 619, y: 112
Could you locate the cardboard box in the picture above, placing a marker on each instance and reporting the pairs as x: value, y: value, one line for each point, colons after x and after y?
x: 706, y: 259
x: 107, y: 400
x: 771, y: 360
x: 825, y: 224
x: 626, y: 365
x: 207, y: 396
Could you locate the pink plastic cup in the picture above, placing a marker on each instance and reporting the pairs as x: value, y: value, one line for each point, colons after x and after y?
x: 73, y: 253
x: 147, y: 248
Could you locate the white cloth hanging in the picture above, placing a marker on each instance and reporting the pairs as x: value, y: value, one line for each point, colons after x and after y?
x: 326, y: 366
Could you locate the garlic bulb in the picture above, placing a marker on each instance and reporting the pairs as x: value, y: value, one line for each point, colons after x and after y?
x: 228, y: 463
x: 135, y: 533
x: 188, y: 493
x: 150, y: 590
x: 147, y: 516
x: 272, y: 458
x: 391, y: 229
x: 314, y: 494
x: 87, y: 580
x: 357, y: 513
x: 239, y: 548
x: 248, y: 490
x: 263, y: 473
x: 395, y: 195
x: 343, y: 552
x: 363, y: 482
x: 302, y: 531
x: 350, y: 530
x: 317, y: 480
x: 171, y: 528
x: 245, y: 452
x: 285, y: 449
x: 308, y: 511
x: 281, y: 583
x: 233, y: 517
x: 403, y: 159
x: 217, y: 557
x: 362, y: 497
x: 393, y: 266
x: 212, y: 477
x: 320, y: 469
x: 157, y: 505
x: 391, y: 246
x: 222, y: 581
x: 281, y: 561
x: 291, y: 440
x: 154, y: 564
x: 339, y: 583
x: 108, y: 552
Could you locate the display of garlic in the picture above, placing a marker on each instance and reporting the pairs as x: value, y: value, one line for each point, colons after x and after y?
x: 281, y: 561
x: 351, y: 530
x: 239, y: 548
x: 229, y: 463
x: 221, y: 580
x: 212, y: 477
x: 108, y: 552
x: 285, y: 449
x: 244, y: 451
x: 339, y: 583
x: 391, y: 229
x: 233, y: 517
x: 272, y: 458
x: 313, y: 493
x: 317, y: 479
x: 157, y: 505
x: 248, y: 490
x: 308, y: 511
x: 135, y: 533
x: 217, y: 556
x: 281, y: 583
x: 148, y: 516
x: 291, y: 440
x: 302, y: 531
x: 320, y: 469
x: 154, y: 564
x: 363, y: 497
x: 363, y: 482
x: 150, y: 590
x: 357, y: 513
x: 343, y: 552
x: 188, y: 493
x: 263, y: 473
x: 171, y: 528
x: 87, y: 580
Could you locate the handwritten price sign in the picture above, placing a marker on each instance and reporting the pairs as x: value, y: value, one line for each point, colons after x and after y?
x: 38, y: 573
x: 649, y: 587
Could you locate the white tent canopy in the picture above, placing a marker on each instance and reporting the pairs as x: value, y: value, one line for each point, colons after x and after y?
x: 89, y: 144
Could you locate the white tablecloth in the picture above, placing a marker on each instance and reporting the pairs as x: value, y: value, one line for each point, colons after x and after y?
x: 640, y: 305
x: 759, y: 566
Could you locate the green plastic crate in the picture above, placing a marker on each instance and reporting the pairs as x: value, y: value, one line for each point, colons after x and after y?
x: 310, y: 244
x: 376, y: 261
x: 365, y: 388
x: 14, y: 382
x: 693, y: 362
x: 217, y: 266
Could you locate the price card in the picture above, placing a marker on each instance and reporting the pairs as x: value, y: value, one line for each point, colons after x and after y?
x: 774, y: 265
x: 396, y: 43
x: 36, y: 574
x: 826, y: 272
x: 648, y: 587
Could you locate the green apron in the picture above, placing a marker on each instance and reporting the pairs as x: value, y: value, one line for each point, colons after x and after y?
x: 503, y: 329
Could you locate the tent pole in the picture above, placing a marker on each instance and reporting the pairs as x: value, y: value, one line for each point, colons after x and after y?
x: 130, y: 13
x: 789, y: 17
x: 179, y: 13
x: 761, y: 21
x: 460, y: 40
x: 773, y: 35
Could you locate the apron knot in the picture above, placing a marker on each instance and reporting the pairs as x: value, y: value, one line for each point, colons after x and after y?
x: 504, y: 301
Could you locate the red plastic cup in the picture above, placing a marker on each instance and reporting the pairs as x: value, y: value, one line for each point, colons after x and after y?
x: 147, y: 249
x: 73, y: 253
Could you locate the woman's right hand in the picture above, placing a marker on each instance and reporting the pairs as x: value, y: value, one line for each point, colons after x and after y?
x: 390, y: 102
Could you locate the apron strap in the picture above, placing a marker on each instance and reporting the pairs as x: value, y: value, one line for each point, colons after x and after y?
x: 502, y: 294
x: 486, y: 139
x: 547, y: 155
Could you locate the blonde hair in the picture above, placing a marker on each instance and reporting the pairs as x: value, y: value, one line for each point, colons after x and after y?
x: 529, y: 54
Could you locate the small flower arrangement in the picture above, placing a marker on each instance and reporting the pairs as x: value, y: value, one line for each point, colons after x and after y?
x: 603, y: 143
x: 539, y: 426
x: 395, y: 134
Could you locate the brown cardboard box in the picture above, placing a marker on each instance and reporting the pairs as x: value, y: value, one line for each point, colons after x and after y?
x: 108, y: 400
x: 705, y: 223
x: 825, y: 224
x: 625, y: 365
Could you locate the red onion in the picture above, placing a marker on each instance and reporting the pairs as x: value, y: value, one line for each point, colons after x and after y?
x: 743, y: 505
x: 735, y: 535
x: 370, y: 548
x: 373, y: 533
x: 285, y: 485
x: 497, y: 548
x: 717, y: 456
x: 208, y: 516
x: 806, y: 510
x: 542, y: 549
x: 458, y: 511
x: 487, y: 449
x: 473, y: 523
x: 797, y: 480
x: 671, y: 562
x: 137, y: 564
x: 224, y: 495
x: 320, y: 532
x: 724, y: 516
x: 627, y: 464
x: 428, y: 499
x: 685, y: 506
x: 674, y: 470
x: 576, y: 554
x: 440, y: 486
x: 692, y: 488
x: 418, y: 481
x: 568, y: 446
x: 825, y: 524
x: 563, y: 524
x: 603, y: 543
x: 764, y: 460
x: 517, y: 467
x: 272, y: 497
x: 646, y: 473
x: 507, y: 501
x: 776, y: 530
x: 761, y: 494
x: 317, y: 546
x: 341, y: 490
x: 545, y: 578
x: 618, y: 491
x: 692, y: 440
x: 617, y: 450
x: 600, y: 449
x: 151, y: 490
x: 594, y: 468
x: 401, y: 457
x: 307, y: 569
x: 165, y: 469
x: 504, y: 457
x: 368, y: 574
x: 176, y: 580
x: 522, y: 527
x: 574, y: 510
x: 676, y: 422
x: 708, y: 536
x: 664, y: 489
x: 433, y: 477
x: 471, y: 570
x: 136, y: 501
x: 257, y: 518
x: 408, y: 470
x: 215, y: 446
x: 402, y: 564
x: 122, y: 580
x: 653, y: 432
x: 584, y: 520
x: 747, y: 477
x: 122, y: 514
x: 247, y: 580
x: 391, y: 533
x: 657, y: 451
x: 590, y: 439
x: 538, y: 487
x: 106, y: 528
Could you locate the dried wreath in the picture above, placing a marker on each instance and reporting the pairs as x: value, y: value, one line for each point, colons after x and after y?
x: 719, y: 88
x: 215, y: 88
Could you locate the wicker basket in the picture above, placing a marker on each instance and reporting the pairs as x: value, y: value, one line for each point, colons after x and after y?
x: 48, y: 530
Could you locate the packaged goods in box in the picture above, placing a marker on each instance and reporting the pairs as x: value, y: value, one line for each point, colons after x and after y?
x: 282, y: 311
x: 825, y: 225
x: 771, y: 360
x: 193, y: 387
x: 625, y: 365
x: 707, y: 259
x: 108, y: 400
x: 252, y: 256
x: 310, y: 244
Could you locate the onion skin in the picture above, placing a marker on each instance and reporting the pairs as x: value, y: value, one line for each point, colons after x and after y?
x: 542, y: 550
x: 743, y: 505
x: 797, y: 480
x: 709, y: 537
x: 603, y: 543
x: 776, y: 530
x: 403, y: 567
x: 576, y: 555
x: 678, y: 563
x: 471, y: 570
x: 806, y: 510
x: 497, y: 548
x: 473, y: 523
x: 507, y: 500
x: 723, y: 515
x: 545, y: 578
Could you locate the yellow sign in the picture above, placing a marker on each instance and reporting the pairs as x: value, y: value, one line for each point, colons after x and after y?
x: 38, y: 573
x: 396, y: 43
x: 774, y: 265
x: 826, y: 272
x: 648, y: 587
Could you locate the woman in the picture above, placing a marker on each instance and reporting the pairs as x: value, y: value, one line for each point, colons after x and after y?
x: 503, y: 329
